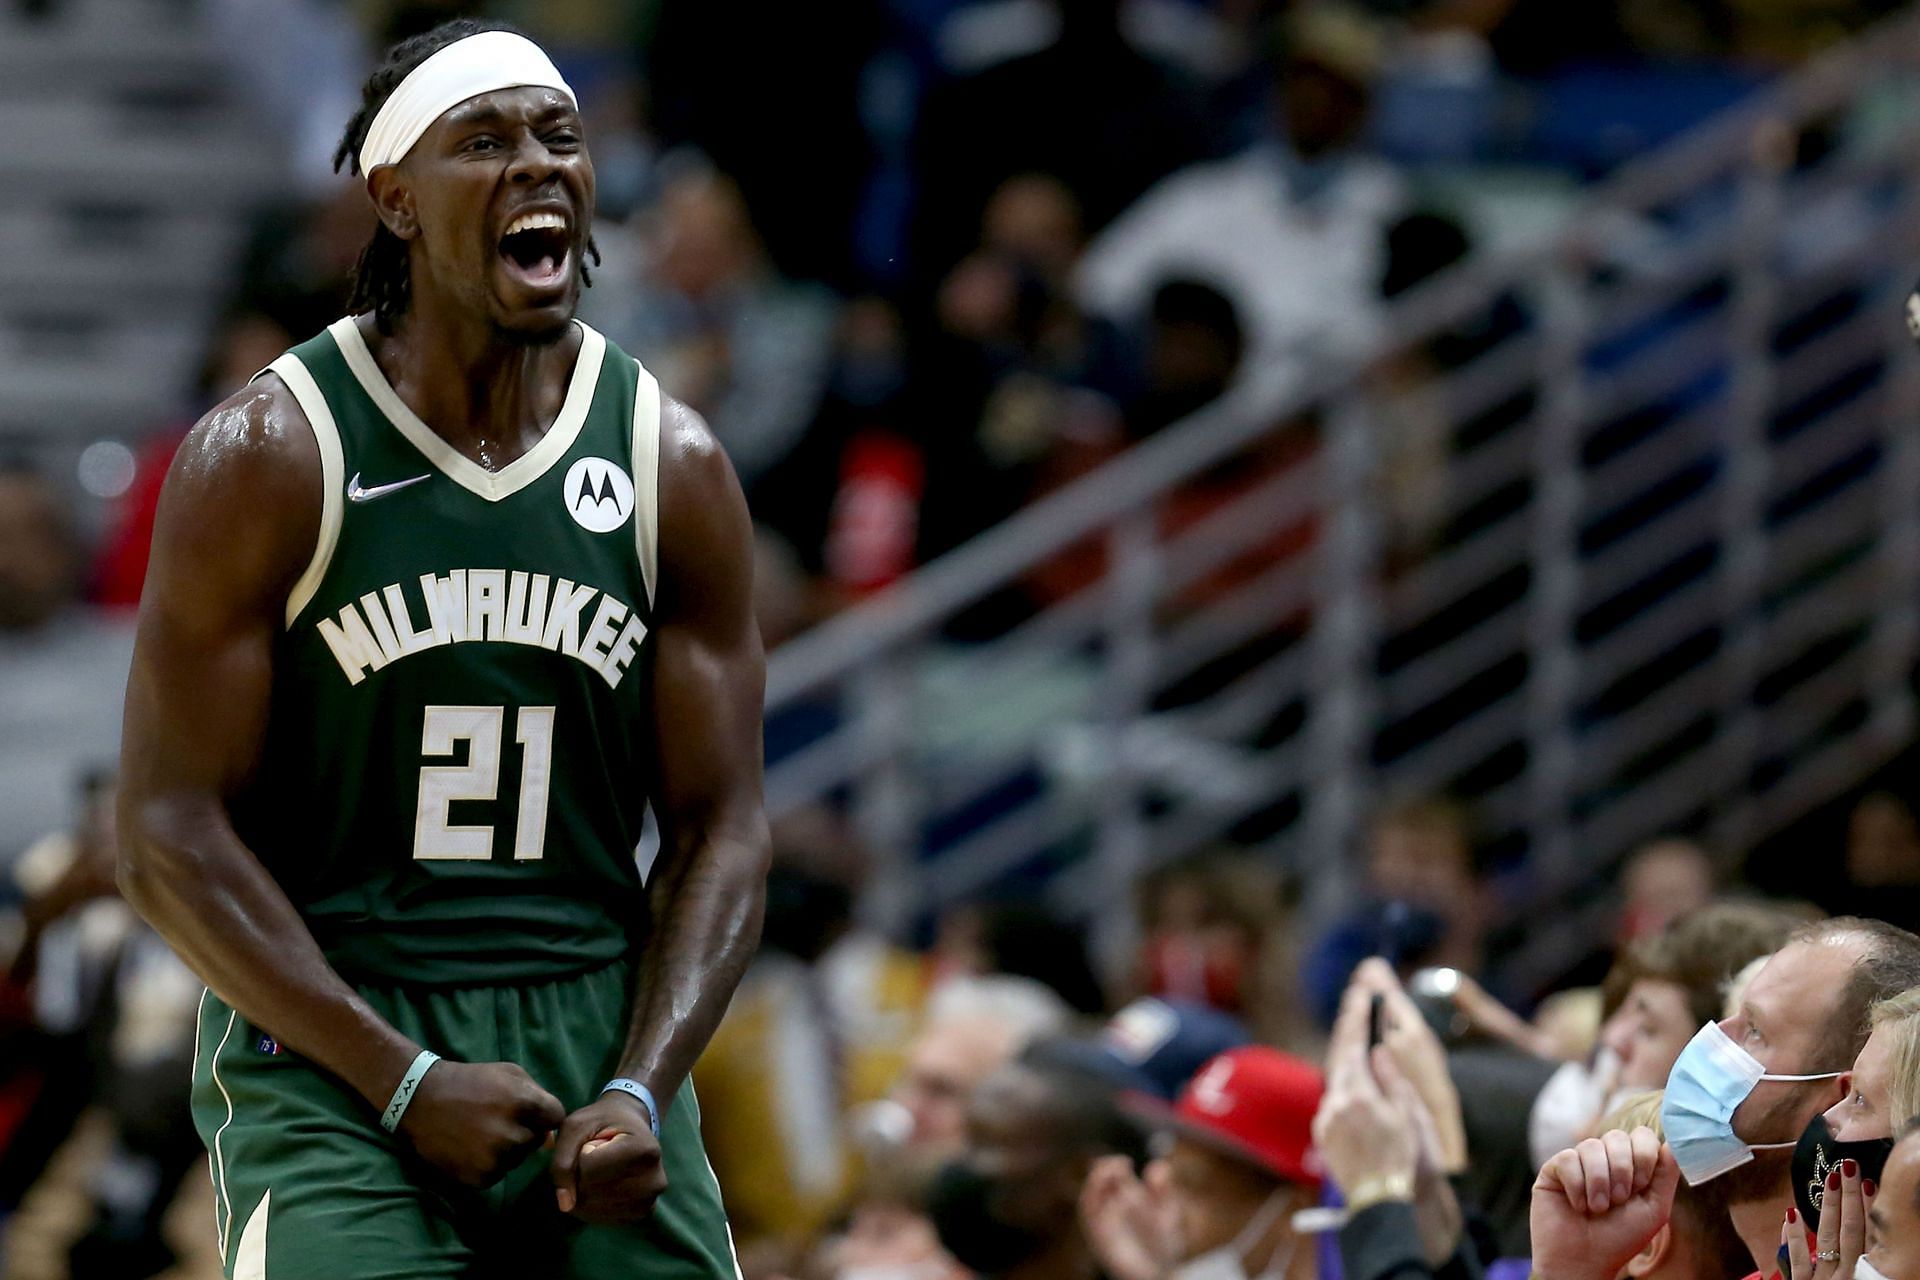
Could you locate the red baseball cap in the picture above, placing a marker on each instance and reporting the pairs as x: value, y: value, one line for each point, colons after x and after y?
x: 1255, y: 1103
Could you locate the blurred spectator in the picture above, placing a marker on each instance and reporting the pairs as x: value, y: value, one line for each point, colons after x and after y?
x: 1221, y: 1200
x: 63, y: 669
x: 1663, y: 881
x: 1387, y: 1132
x: 112, y: 1028
x: 242, y: 345
x: 1025, y: 381
x: 1886, y: 1076
x: 1006, y: 1206
x: 1883, y: 1092
x: 1166, y: 1042
x: 819, y: 1025
x: 1200, y: 939
x: 888, y: 1235
x: 1894, y: 1248
x: 718, y: 325
x: 1150, y: 1048
x: 1883, y: 862
x: 1089, y: 109
x: 1421, y: 901
x: 1696, y: 1241
x: 1293, y: 229
x: 1195, y: 344
x: 973, y: 1026
x: 1658, y: 994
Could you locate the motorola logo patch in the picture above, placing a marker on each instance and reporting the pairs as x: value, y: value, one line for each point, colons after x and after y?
x: 599, y: 495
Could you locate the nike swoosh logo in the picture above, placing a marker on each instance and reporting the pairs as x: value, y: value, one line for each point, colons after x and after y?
x: 355, y: 493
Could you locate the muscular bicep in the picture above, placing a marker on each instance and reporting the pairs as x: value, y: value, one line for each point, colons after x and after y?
x: 709, y: 671
x: 237, y: 521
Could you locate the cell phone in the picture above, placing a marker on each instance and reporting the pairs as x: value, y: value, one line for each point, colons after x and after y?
x: 1376, y: 1019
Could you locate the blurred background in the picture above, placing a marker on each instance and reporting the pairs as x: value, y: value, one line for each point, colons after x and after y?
x: 1242, y: 486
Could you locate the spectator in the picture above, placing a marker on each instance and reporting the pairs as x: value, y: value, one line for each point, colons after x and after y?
x: 973, y: 1027
x: 815, y: 1028
x: 1883, y: 861
x: 1222, y: 1200
x: 243, y: 344
x: 888, y: 1233
x: 1883, y: 1097
x: 1199, y: 944
x: 1195, y: 343
x: 1005, y: 1208
x: 1662, y: 882
x: 1293, y: 229
x: 720, y: 327
x: 1698, y: 1241
x: 1016, y: 364
x: 1658, y: 994
x: 1886, y: 1076
x: 1421, y: 901
x: 1893, y: 1251
x: 1744, y: 1090
x: 1381, y: 1138
x: 63, y: 670
x: 113, y: 1030
x: 1151, y: 1047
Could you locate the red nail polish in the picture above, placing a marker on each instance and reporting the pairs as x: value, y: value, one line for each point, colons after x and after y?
x: 1833, y: 1176
x: 1868, y: 1187
x: 1793, y: 1215
x: 1851, y: 1168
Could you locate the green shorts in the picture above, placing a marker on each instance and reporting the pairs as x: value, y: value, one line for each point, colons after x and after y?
x: 308, y: 1187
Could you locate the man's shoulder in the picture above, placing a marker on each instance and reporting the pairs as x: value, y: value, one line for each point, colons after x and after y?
x: 258, y: 430
x: 245, y: 485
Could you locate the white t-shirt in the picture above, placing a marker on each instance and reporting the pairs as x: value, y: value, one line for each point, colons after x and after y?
x: 1304, y: 271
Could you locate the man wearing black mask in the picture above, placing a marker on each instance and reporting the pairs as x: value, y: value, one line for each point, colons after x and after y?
x: 1007, y: 1208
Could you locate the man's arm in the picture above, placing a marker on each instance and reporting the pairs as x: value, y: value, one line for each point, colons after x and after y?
x: 708, y: 886
x: 237, y: 524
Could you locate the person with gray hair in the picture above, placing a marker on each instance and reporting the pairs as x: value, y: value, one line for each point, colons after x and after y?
x: 972, y: 1027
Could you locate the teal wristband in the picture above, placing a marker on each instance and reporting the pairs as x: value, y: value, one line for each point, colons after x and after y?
x: 633, y: 1088
x: 390, y: 1118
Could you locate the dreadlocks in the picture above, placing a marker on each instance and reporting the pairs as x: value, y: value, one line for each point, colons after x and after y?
x: 380, y: 280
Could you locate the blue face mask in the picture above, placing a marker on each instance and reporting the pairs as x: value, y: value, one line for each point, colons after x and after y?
x: 1712, y: 1077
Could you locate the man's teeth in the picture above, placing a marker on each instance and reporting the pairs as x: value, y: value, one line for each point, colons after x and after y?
x: 536, y: 222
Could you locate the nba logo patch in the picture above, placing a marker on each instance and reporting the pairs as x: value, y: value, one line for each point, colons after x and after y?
x: 268, y: 1045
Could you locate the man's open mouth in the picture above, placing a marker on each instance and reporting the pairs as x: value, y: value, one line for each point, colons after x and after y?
x: 535, y: 248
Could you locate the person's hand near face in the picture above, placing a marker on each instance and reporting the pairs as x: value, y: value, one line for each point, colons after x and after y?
x: 1843, y: 1229
x: 1129, y: 1220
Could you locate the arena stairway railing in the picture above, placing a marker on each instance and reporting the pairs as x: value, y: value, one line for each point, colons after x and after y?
x: 1670, y: 579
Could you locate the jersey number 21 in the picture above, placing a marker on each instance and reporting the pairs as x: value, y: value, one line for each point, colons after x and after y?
x: 434, y: 837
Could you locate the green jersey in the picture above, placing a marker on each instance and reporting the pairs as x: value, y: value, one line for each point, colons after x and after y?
x: 458, y: 749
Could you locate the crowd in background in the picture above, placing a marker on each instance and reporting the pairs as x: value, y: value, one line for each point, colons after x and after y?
x: 1246, y: 1099
x: 919, y: 265
x: 926, y: 261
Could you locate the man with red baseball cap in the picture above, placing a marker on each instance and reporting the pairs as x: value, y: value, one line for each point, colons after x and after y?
x: 1219, y: 1204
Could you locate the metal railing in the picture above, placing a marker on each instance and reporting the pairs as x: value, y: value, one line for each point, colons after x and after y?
x: 1667, y: 574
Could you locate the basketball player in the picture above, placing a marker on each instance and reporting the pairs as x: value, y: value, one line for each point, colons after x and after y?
x: 437, y: 606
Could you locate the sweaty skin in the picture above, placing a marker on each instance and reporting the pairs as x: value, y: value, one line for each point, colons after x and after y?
x: 475, y: 356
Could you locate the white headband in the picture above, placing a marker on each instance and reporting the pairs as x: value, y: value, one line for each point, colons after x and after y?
x: 483, y: 63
